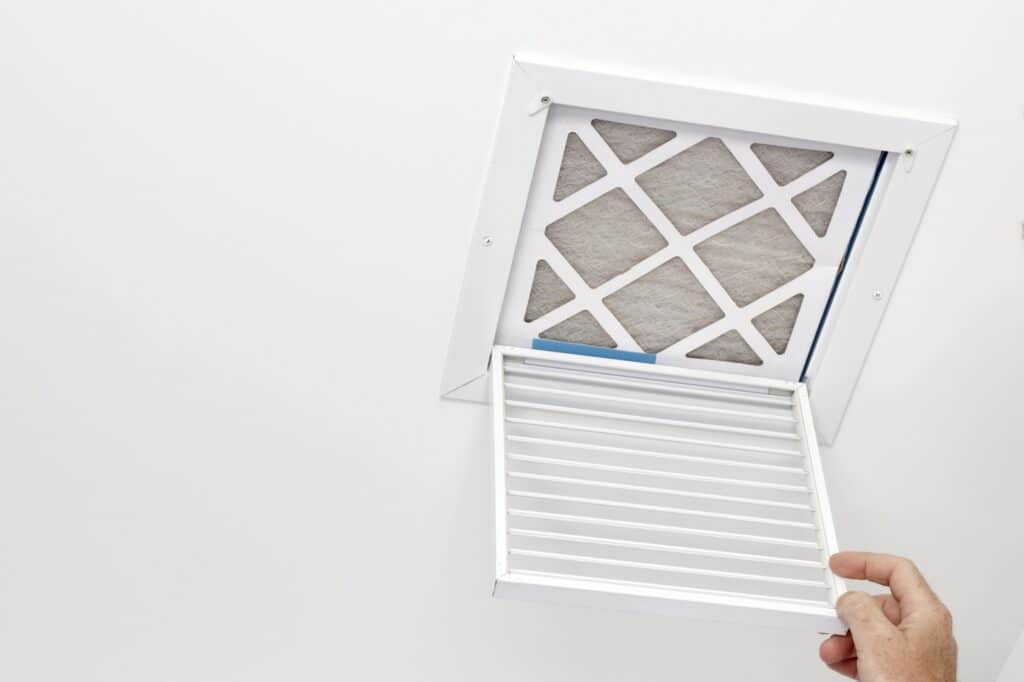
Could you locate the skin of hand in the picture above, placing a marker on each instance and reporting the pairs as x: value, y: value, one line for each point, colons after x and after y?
x: 905, y: 636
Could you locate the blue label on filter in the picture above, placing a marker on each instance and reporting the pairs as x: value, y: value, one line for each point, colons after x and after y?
x: 592, y: 351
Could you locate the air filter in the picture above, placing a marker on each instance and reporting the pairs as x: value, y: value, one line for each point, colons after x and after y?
x: 712, y: 248
x: 670, y: 289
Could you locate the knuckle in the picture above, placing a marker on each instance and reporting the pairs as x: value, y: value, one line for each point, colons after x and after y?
x: 909, y: 565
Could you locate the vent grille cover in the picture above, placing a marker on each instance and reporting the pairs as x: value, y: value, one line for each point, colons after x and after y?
x: 659, y: 489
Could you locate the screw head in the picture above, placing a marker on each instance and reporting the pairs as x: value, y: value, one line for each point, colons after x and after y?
x: 877, y: 295
x: 545, y: 100
x: 488, y: 240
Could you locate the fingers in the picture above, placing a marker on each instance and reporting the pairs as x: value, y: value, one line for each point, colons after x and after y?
x: 837, y: 648
x: 901, y: 575
x: 864, y: 616
x: 839, y: 652
x: 840, y: 655
x: 847, y: 667
x: 890, y: 607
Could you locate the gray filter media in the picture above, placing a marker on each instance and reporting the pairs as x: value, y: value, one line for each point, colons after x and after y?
x: 580, y: 328
x: 755, y: 256
x: 579, y: 168
x: 776, y: 324
x: 729, y: 347
x: 548, y: 292
x: 605, y: 238
x: 786, y: 164
x: 630, y: 142
x: 818, y: 203
x: 664, y: 306
x: 699, y: 185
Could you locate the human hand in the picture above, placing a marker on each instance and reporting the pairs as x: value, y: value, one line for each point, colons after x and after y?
x: 906, y: 636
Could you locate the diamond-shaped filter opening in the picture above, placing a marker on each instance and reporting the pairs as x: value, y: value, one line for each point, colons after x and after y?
x: 630, y: 142
x: 547, y: 293
x: 664, y: 306
x: 818, y: 203
x: 786, y: 164
x: 698, y: 185
x: 755, y: 256
x: 583, y: 328
x: 579, y: 168
x: 605, y: 237
x: 776, y: 324
x: 729, y: 347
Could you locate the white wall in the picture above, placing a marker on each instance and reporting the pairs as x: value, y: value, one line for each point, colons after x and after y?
x: 232, y: 238
x: 1013, y: 668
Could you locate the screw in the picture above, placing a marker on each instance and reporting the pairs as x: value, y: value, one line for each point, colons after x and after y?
x: 877, y: 295
x: 545, y: 100
x: 908, y: 152
x: 488, y: 240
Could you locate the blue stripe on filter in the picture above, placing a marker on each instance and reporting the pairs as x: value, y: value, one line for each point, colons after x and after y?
x: 592, y: 351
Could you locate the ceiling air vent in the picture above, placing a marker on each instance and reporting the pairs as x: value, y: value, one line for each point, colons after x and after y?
x: 669, y: 291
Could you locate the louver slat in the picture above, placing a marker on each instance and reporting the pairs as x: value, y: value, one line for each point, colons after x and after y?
x: 659, y: 489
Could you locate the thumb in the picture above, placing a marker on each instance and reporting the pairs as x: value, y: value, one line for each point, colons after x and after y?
x: 864, y: 616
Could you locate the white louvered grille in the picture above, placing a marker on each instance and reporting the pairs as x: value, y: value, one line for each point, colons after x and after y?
x: 661, y: 484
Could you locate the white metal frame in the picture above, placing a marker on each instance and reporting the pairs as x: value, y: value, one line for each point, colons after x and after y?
x: 635, y: 597
x: 917, y: 147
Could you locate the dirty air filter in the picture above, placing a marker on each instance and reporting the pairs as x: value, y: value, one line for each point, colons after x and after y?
x: 671, y: 291
x: 710, y: 248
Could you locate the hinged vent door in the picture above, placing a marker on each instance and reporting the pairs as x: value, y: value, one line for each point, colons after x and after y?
x: 659, y: 489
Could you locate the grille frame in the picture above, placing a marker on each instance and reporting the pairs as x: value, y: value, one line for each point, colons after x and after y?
x: 741, y: 422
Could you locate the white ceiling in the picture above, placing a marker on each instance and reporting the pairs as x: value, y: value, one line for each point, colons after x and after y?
x: 233, y: 238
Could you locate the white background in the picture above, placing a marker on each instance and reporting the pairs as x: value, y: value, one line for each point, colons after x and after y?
x: 1013, y: 669
x: 232, y: 239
